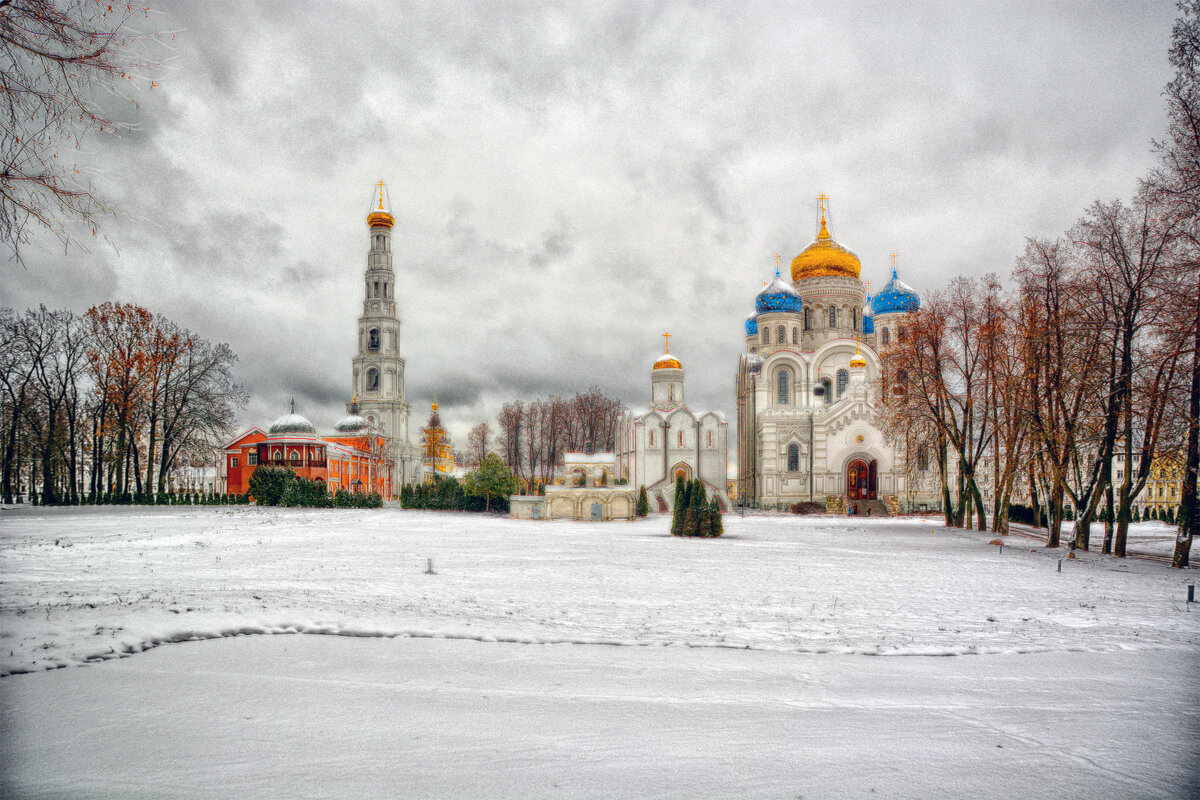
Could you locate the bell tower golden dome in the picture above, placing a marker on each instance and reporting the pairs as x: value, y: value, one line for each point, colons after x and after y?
x: 825, y: 256
x: 379, y: 217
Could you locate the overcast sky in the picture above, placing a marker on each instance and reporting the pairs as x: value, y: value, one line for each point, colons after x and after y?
x: 571, y: 180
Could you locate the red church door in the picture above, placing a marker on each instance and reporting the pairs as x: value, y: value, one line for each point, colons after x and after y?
x: 858, y: 477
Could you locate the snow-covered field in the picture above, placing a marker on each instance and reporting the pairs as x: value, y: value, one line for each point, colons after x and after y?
x: 729, y: 667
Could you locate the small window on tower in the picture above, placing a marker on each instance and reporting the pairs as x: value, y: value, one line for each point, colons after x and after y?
x: 782, y: 337
x: 832, y: 317
x: 843, y: 378
x: 373, y: 340
x: 372, y: 380
x: 784, y: 387
x: 886, y: 336
x: 808, y: 319
x: 766, y: 337
x: 681, y: 438
x: 795, y: 336
x: 652, y: 438
x: 900, y: 335
x: 377, y: 288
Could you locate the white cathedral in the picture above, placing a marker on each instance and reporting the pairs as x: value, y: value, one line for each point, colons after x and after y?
x: 808, y: 386
x: 672, y: 441
x: 378, y: 367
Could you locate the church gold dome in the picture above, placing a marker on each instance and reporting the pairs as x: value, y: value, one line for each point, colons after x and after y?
x: 667, y: 362
x: 825, y: 257
x: 379, y: 217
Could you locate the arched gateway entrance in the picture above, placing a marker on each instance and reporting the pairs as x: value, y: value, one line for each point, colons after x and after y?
x: 861, y: 479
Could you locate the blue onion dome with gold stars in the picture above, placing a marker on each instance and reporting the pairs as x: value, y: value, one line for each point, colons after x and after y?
x: 752, y: 325
x: 778, y: 296
x: 868, y: 314
x: 895, y: 296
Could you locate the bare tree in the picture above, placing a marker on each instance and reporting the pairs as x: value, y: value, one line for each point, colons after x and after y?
x: 479, y: 442
x: 1177, y: 182
x: 59, y: 62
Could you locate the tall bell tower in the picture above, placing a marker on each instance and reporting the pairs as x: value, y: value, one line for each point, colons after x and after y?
x: 378, y: 367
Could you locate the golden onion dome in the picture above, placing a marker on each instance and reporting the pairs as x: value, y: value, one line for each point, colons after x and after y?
x: 668, y: 361
x: 825, y: 257
x: 379, y: 217
x: 857, y: 361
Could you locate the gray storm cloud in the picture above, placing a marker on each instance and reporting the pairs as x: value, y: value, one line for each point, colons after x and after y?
x: 571, y: 180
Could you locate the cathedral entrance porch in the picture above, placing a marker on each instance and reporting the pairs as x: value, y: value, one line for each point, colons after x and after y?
x: 861, y: 480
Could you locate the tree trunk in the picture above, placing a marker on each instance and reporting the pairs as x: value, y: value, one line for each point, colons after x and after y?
x: 1189, y: 508
x: 1055, y: 528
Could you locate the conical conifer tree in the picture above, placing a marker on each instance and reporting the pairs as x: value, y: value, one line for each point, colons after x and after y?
x: 717, y: 525
x: 679, y: 510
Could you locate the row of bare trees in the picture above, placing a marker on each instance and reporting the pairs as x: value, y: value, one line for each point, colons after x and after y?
x: 533, y: 436
x: 1086, y: 370
x: 110, y: 401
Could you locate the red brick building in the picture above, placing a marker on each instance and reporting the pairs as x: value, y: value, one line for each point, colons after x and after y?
x: 351, y: 458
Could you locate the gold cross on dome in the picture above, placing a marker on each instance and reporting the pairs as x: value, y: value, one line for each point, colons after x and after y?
x: 667, y: 336
x: 381, y: 184
x: 893, y: 254
x: 777, y: 262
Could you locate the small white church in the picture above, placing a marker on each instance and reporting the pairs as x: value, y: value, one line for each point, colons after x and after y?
x: 671, y: 440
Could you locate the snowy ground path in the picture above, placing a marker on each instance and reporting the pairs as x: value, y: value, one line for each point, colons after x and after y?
x: 80, y: 585
x: 323, y: 716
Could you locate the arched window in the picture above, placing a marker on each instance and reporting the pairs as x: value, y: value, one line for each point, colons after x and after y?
x: 785, y: 382
x: 886, y: 337
x: 372, y: 380
x: 808, y: 319
x: 843, y: 377
x: 922, y: 459
x: 795, y: 335
x: 681, y: 438
x: 832, y: 317
x: 828, y: 387
x: 671, y: 392
x: 373, y: 340
x: 376, y: 288
x: 900, y: 335
x: 782, y: 337
x: 710, y: 438
x: 854, y: 318
x: 793, y: 457
x: 652, y: 438
x: 766, y: 337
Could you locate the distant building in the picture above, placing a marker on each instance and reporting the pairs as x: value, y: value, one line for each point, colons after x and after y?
x: 353, y: 457
x: 590, y: 491
x: 671, y: 441
x: 809, y: 385
x: 378, y: 367
x: 437, y: 454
